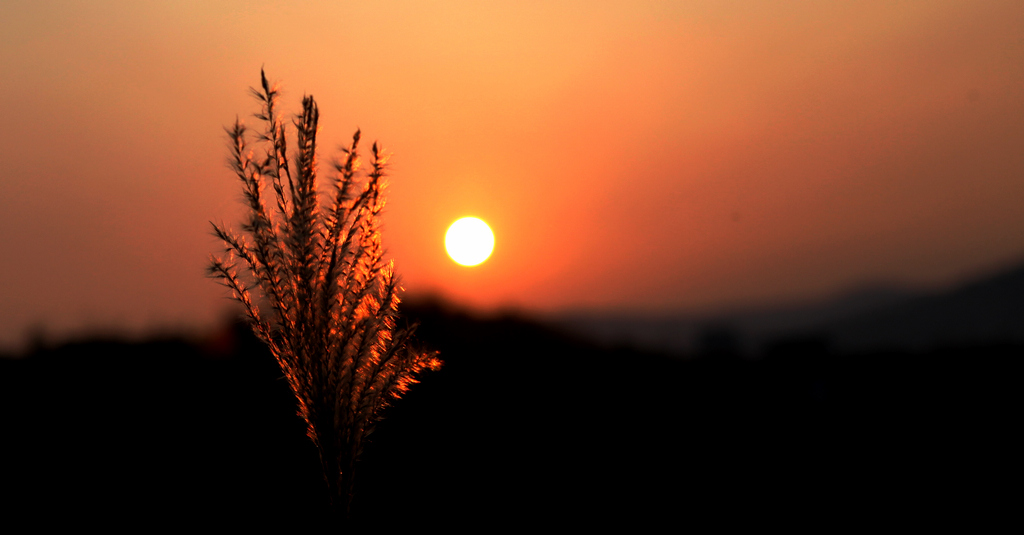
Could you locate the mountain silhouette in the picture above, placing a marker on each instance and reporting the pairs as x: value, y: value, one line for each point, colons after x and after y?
x: 986, y: 310
x: 525, y: 425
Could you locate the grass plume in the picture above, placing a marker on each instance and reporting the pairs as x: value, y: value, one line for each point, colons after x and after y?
x: 315, y: 260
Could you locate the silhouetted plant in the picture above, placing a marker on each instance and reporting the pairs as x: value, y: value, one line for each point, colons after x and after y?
x: 333, y: 300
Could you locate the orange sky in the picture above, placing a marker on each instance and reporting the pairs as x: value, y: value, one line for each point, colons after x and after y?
x: 628, y: 154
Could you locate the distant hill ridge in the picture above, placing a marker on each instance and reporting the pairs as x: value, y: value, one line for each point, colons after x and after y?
x: 986, y: 310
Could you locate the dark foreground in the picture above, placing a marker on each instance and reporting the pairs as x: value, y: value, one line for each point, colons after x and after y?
x: 522, y: 427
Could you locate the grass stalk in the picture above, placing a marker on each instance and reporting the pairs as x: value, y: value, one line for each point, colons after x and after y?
x: 318, y: 268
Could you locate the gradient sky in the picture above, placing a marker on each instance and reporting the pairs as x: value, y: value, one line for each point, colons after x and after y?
x: 629, y: 155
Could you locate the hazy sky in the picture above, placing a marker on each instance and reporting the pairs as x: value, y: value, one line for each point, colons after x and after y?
x: 642, y: 155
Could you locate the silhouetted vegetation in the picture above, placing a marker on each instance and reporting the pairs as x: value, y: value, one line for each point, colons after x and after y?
x: 526, y: 426
x: 332, y: 299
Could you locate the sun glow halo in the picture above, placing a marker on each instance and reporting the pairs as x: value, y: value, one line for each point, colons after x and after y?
x: 469, y: 241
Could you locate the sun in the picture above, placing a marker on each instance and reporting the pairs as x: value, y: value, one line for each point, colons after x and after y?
x: 469, y: 241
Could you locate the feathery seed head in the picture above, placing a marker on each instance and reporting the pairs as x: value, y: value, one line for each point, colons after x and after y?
x: 333, y: 301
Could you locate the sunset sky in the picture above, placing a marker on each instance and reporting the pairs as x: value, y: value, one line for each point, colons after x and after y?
x: 628, y: 155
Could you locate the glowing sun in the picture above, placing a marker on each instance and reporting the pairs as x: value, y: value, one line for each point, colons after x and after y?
x: 469, y: 241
